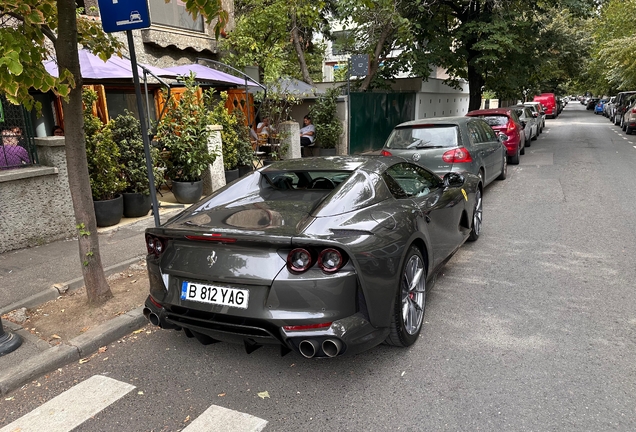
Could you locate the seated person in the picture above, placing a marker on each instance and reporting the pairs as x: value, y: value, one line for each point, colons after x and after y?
x: 264, y: 128
x: 58, y: 131
x: 11, y: 152
x: 307, y: 133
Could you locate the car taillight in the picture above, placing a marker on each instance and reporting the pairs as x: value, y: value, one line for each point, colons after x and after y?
x: 155, y: 245
x: 460, y: 155
x: 385, y: 153
x: 330, y: 260
x: 633, y: 110
x: 299, y: 260
x: 512, y: 127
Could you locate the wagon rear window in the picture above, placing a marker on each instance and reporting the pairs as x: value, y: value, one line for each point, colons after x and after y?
x: 423, y: 136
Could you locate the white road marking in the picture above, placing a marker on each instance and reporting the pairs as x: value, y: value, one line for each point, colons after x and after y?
x: 217, y: 418
x: 73, y: 407
x: 634, y: 146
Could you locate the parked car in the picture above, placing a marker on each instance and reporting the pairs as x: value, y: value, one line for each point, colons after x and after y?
x: 598, y: 108
x: 324, y: 256
x: 504, y: 121
x: 538, y: 112
x: 629, y: 118
x: 445, y: 144
x: 529, y: 123
x: 620, y: 105
x: 591, y: 103
x: 549, y: 102
x: 608, y: 108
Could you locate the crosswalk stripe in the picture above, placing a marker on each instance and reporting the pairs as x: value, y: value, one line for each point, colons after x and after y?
x: 73, y: 407
x: 217, y: 418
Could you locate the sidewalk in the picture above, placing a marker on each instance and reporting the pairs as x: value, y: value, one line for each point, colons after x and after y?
x: 32, y: 276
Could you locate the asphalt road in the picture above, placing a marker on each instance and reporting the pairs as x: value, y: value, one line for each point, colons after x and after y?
x: 531, y: 328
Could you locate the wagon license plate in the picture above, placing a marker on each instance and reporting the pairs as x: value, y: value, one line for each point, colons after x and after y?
x: 217, y: 295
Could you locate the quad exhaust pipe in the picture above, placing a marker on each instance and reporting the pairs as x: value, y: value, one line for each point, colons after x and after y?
x: 332, y: 347
x: 151, y: 316
x: 308, y: 348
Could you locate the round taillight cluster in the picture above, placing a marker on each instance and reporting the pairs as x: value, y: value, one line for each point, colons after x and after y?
x: 155, y: 245
x: 329, y: 260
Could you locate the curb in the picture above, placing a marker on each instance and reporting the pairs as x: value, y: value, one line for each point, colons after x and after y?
x: 77, y: 348
x: 66, y: 287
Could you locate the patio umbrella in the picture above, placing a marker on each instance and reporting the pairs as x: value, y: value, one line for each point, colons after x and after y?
x: 93, y: 67
x: 295, y: 87
x: 204, y: 73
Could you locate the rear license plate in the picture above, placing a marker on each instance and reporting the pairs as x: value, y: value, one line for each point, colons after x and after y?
x: 217, y: 295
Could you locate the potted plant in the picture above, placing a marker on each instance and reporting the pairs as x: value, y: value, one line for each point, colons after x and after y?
x: 126, y: 132
x: 328, y: 125
x: 183, y: 134
x: 244, y: 149
x: 104, y: 168
x: 229, y: 137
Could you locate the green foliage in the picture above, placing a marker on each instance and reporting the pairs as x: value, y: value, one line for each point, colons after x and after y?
x: 229, y: 136
x: 262, y: 37
x: 244, y: 150
x: 102, y: 154
x: 126, y: 132
x: 24, y: 27
x: 324, y: 117
x: 183, y: 134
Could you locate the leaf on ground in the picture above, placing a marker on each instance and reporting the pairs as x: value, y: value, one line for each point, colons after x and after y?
x: 187, y: 419
x: 55, y: 337
x: 102, y: 349
x: 84, y: 329
x: 221, y: 394
x: 10, y: 398
x: 84, y: 360
x: 140, y: 392
x: 138, y: 331
x: 263, y: 395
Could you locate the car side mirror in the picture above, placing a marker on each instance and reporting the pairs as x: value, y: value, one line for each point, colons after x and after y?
x: 502, y: 137
x: 535, y: 115
x: 454, y: 180
x: 523, y: 123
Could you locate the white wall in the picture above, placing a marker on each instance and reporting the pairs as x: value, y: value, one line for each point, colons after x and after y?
x: 436, y: 99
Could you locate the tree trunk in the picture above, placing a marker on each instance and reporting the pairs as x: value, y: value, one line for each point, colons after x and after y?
x: 66, y: 50
x: 475, y: 84
x: 375, y: 61
x: 299, y: 50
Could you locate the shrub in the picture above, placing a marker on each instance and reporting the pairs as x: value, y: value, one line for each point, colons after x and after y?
x: 102, y: 154
x: 183, y: 133
x: 325, y: 118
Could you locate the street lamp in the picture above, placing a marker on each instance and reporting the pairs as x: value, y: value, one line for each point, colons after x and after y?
x: 9, y: 342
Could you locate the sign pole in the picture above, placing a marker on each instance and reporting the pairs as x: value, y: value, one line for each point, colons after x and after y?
x: 144, y: 127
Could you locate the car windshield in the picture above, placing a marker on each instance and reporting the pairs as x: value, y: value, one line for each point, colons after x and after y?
x: 495, y: 120
x: 296, y: 180
x: 424, y: 136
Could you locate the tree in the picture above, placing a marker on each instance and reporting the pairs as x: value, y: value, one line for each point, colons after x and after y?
x: 483, y: 41
x: 277, y: 36
x: 380, y: 29
x: 29, y: 30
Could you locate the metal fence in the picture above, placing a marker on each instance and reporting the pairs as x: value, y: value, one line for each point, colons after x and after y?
x: 17, y: 148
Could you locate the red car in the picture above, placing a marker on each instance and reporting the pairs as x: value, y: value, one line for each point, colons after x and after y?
x: 505, y: 121
x: 548, y: 100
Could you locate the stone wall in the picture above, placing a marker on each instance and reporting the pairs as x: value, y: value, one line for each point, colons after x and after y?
x: 36, y: 205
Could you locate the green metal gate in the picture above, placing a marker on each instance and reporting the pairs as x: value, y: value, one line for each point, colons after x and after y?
x: 373, y: 116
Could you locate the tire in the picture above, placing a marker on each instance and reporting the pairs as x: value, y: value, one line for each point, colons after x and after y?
x: 410, y: 301
x: 475, y: 231
x: 623, y: 126
x: 504, y: 167
x: 628, y: 130
x: 535, y: 136
x: 514, y: 160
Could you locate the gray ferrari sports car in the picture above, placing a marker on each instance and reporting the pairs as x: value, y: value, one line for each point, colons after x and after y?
x: 324, y: 256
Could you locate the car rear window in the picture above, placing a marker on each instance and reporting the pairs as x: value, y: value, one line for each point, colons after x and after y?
x: 495, y: 120
x: 314, y: 180
x: 412, y: 137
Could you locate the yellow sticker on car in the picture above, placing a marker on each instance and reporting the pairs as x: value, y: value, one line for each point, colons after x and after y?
x: 465, y: 195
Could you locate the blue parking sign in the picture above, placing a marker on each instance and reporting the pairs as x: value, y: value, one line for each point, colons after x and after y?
x: 122, y: 15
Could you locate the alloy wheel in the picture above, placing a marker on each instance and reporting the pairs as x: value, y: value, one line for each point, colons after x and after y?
x: 477, y: 217
x: 413, y: 295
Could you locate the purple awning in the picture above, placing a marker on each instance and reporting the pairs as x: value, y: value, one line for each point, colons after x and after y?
x: 205, y: 73
x: 92, y: 67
